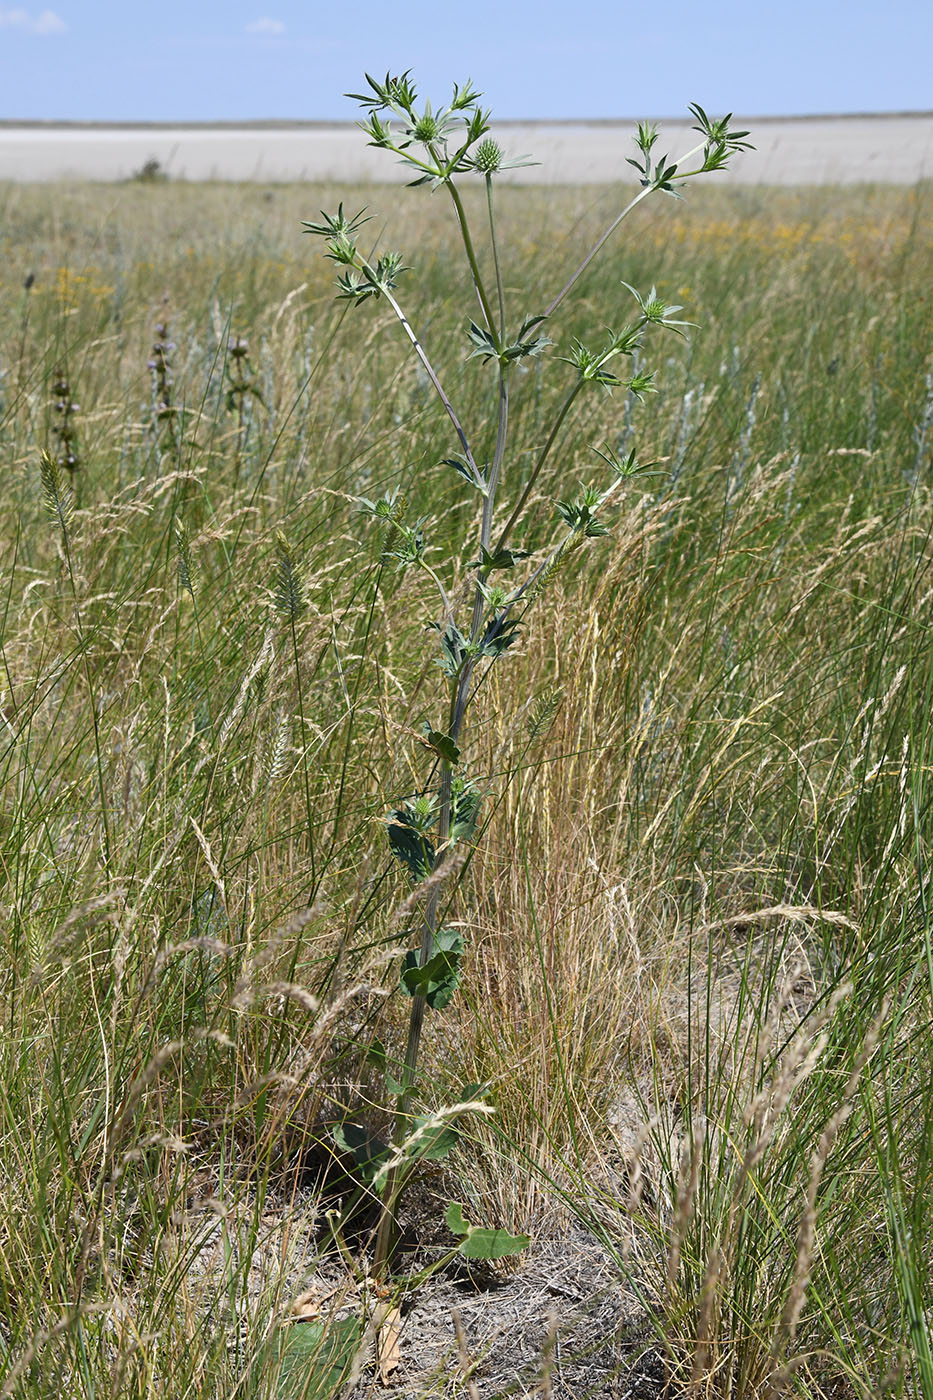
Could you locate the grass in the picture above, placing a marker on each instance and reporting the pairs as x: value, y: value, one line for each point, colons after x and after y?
x: 700, y: 968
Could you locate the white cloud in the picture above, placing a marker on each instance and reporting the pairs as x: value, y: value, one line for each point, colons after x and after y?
x: 47, y: 22
x: 50, y: 23
x: 265, y: 26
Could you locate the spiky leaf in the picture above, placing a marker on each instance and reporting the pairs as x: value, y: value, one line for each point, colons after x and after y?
x: 499, y: 635
x: 453, y: 648
x: 409, y: 843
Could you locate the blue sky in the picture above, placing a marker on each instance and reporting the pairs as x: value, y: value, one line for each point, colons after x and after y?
x: 238, y: 59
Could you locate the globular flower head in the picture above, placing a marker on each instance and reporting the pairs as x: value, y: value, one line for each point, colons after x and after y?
x: 487, y: 157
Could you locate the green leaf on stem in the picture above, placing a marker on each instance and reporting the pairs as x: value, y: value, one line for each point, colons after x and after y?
x: 409, y: 841
x: 590, y: 365
x: 721, y: 142
x: 465, y: 471
x: 441, y: 743
x: 481, y: 1243
x: 454, y: 648
x: 466, y: 801
x: 396, y: 92
x: 438, y: 978
x: 579, y: 514
x: 484, y: 343
x: 500, y: 634
x: 629, y: 466
x: 501, y: 559
x: 525, y: 343
x: 368, y: 1151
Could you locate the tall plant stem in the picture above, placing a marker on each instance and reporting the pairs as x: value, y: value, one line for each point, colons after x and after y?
x: 542, y: 458
x: 500, y: 290
x: 459, y: 698
x: 471, y: 259
x: 429, y: 371
x: 385, y: 1230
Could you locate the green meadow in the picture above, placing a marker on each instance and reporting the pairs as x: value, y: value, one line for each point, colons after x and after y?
x: 697, y: 982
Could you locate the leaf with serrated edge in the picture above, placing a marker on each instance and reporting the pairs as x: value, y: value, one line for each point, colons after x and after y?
x: 443, y: 745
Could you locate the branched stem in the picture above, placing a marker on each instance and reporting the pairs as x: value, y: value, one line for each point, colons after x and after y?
x: 542, y: 458
x: 604, y: 238
x: 385, y: 1230
x: 429, y: 371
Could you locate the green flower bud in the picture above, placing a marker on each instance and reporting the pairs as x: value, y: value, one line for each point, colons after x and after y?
x: 488, y: 157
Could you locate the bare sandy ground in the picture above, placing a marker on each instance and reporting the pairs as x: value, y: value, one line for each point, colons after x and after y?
x: 896, y: 149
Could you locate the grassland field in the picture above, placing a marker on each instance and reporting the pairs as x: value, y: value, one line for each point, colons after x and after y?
x: 697, y: 914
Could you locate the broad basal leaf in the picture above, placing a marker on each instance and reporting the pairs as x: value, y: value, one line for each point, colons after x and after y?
x: 312, y: 1359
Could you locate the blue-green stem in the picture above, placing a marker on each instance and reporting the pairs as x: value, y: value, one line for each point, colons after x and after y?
x: 500, y: 290
x: 474, y: 265
x: 542, y: 458
x: 430, y: 372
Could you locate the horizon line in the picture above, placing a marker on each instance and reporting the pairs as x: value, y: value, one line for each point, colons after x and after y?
x: 279, y: 123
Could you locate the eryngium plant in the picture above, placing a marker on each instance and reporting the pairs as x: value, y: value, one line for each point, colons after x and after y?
x: 423, y: 829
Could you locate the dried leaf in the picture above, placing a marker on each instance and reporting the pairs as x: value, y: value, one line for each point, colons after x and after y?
x: 388, y: 1323
x: 307, y: 1305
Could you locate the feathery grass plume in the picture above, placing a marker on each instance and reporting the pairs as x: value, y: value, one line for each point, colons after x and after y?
x: 543, y: 712
x: 553, y: 566
x: 57, y: 494
x: 288, y: 589
x: 276, y: 752
x: 184, y: 561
